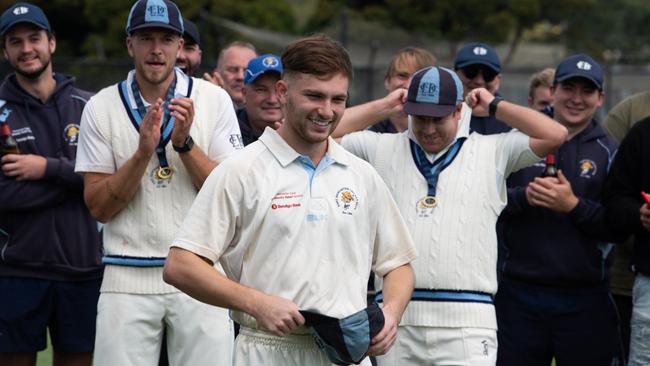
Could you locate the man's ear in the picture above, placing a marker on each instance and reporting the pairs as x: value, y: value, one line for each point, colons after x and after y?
x: 129, y: 45
x: 281, y: 89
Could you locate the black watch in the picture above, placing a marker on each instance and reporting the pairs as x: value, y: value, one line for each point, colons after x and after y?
x: 187, y: 146
x: 493, y: 105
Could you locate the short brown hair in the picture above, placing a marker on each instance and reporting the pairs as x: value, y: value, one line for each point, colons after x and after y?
x: 410, y: 57
x: 542, y: 78
x: 317, y: 55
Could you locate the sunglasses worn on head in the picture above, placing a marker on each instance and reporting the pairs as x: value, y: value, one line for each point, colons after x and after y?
x: 472, y: 70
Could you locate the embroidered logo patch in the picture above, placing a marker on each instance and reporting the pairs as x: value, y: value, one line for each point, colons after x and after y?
x: 587, y: 168
x: 346, y: 200
x: 5, y: 114
x: 71, y: 134
x: 237, y: 141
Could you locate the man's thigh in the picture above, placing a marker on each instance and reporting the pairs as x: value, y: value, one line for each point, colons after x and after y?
x: 524, y: 333
x: 197, y: 333
x: 129, y: 329
x: 442, y: 346
x: 640, y: 324
x: 72, y: 327
x: 263, y: 349
x: 25, y: 310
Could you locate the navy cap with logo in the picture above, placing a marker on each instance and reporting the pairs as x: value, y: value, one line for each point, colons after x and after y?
x: 154, y: 13
x: 261, y: 65
x: 580, y: 66
x: 23, y: 13
x: 345, y: 341
x: 477, y: 53
x: 191, y: 32
x: 433, y: 92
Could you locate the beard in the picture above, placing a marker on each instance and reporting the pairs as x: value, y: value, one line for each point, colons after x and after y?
x: 32, y: 74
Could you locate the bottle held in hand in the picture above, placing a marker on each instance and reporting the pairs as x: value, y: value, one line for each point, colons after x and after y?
x: 550, y: 170
x: 8, y: 144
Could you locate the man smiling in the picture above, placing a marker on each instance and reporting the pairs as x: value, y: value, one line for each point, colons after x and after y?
x: 450, y: 186
x: 297, y: 223
x: 147, y: 144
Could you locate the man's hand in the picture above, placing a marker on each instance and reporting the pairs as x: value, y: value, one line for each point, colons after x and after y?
x: 645, y: 216
x: 182, y: 109
x: 395, y: 100
x: 24, y: 167
x: 214, y: 78
x: 479, y: 100
x: 553, y: 193
x: 385, y: 339
x: 150, y: 129
x: 277, y: 315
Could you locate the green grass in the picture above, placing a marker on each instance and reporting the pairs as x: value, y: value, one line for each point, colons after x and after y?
x: 45, y: 357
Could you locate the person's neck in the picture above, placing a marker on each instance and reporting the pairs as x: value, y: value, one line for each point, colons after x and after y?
x: 574, y: 130
x: 41, y: 87
x: 315, y: 151
x: 401, y: 122
x: 151, y: 92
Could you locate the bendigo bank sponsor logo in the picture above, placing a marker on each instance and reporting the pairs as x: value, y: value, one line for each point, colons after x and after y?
x: 286, y: 200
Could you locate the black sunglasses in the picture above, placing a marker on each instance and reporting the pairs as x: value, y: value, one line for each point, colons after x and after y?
x: 472, y: 70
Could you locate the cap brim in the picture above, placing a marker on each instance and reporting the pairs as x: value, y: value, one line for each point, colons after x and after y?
x: 18, y: 21
x: 428, y: 109
x: 156, y: 25
x: 580, y: 76
x: 253, y: 78
x: 461, y: 65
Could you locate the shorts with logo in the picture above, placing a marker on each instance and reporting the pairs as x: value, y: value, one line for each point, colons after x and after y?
x: 419, y: 345
x: 30, y: 306
x: 255, y: 347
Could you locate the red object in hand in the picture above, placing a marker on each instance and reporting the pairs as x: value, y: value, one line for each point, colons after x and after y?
x: 646, y: 197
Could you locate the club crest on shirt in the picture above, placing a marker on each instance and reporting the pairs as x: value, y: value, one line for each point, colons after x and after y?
x: 587, y: 168
x: 71, y: 134
x: 346, y: 200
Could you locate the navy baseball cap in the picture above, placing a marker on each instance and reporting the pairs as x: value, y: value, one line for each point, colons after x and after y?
x: 154, y: 13
x: 345, y: 341
x: 23, y: 13
x: 191, y: 31
x: 433, y: 92
x: 580, y: 66
x: 477, y: 53
x: 261, y: 65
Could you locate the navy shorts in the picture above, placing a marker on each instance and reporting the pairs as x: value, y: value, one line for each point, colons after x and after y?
x: 29, y: 306
x: 576, y: 327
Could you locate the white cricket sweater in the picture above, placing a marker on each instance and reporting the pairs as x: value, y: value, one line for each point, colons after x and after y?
x: 457, y: 242
x: 147, y: 226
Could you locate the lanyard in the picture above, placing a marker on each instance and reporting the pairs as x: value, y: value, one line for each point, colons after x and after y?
x: 167, y: 124
x: 431, y: 172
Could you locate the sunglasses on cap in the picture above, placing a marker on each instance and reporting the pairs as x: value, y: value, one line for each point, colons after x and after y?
x: 472, y: 70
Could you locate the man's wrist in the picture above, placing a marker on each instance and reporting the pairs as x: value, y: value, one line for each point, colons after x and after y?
x: 494, y: 104
x: 187, y: 145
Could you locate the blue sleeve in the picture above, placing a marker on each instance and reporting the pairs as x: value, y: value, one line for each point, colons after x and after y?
x: 29, y: 195
x: 589, y: 217
x: 61, y: 171
x: 517, y: 202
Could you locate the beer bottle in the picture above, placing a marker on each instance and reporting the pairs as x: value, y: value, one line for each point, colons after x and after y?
x: 8, y: 144
x: 550, y: 170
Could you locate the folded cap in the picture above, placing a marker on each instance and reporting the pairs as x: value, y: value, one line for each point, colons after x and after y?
x: 346, y: 340
x: 261, y: 65
x: 191, y: 32
x: 477, y: 53
x: 433, y: 92
x: 23, y: 13
x: 580, y: 66
x: 154, y: 13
